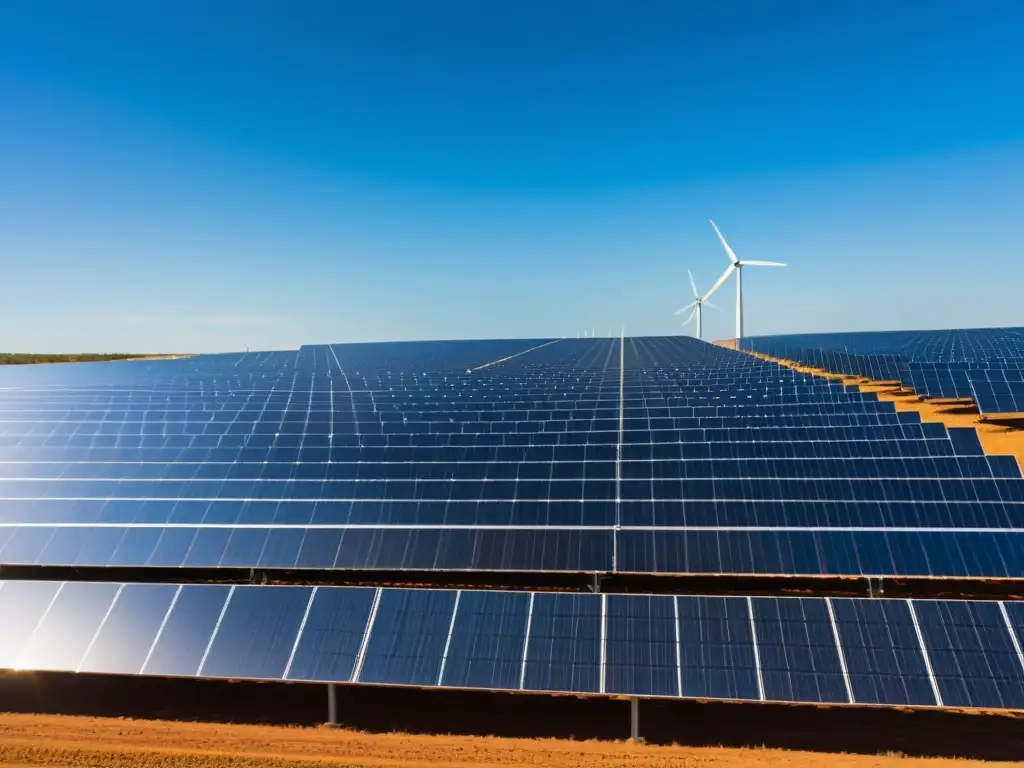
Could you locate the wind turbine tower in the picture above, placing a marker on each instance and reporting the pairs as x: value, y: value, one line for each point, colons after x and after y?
x: 735, y: 265
x: 698, y: 305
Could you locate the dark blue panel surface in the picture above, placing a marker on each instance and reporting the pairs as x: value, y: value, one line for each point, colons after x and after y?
x: 564, y: 646
x: 641, y: 651
x: 408, y: 637
x: 487, y: 642
x: 798, y: 653
x: 257, y: 632
x: 717, y: 648
x: 972, y: 653
x: 332, y: 635
x: 184, y: 637
x: 1015, y: 617
x: 882, y: 652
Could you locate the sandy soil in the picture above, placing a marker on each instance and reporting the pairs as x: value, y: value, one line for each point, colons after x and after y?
x: 81, y: 741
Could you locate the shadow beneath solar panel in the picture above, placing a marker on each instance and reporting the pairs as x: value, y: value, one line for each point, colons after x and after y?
x: 384, y: 710
x: 1009, y: 423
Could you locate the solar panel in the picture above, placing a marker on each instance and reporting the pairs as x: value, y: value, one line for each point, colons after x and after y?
x: 647, y: 455
x: 999, y: 391
x: 986, y: 364
x: 800, y: 649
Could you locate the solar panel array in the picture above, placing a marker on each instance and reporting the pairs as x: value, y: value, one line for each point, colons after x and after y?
x: 811, y: 650
x: 983, y: 364
x: 633, y: 456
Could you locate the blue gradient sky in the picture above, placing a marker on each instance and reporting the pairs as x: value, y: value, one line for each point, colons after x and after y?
x: 207, y: 175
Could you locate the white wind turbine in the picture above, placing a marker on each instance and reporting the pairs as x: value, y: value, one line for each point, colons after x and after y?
x: 737, y: 266
x: 698, y: 305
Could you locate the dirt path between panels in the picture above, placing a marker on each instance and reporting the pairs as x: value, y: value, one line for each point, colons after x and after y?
x: 32, y: 740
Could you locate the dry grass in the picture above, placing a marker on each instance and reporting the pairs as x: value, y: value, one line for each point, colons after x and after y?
x: 115, y: 743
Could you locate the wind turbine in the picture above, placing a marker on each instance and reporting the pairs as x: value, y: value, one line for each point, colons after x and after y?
x: 737, y: 266
x: 698, y: 305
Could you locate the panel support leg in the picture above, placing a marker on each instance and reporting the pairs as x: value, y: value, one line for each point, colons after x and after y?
x: 876, y: 589
x: 332, y: 705
x: 634, y: 719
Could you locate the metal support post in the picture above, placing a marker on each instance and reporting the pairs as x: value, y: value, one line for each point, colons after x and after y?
x: 595, y: 585
x: 332, y: 704
x: 634, y: 719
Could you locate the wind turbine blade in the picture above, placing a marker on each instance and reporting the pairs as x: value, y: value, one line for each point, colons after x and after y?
x: 728, y: 250
x: 763, y: 264
x: 693, y: 285
x: 725, y: 276
x: 680, y: 311
x: 713, y: 306
x: 692, y: 315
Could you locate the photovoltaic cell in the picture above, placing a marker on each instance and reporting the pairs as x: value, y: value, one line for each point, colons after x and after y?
x: 487, y: 640
x: 972, y: 653
x: 563, y: 649
x: 409, y: 636
x: 256, y: 633
x: 641, y: 651
x: 328, y: 643
x: 717, y: 656
x: 882, y: 652
x: 799, y: 658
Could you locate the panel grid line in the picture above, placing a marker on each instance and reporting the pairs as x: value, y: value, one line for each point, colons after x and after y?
x: 839, y: 650
x: 31, y: 637
x: 99, y: 629
x: 531, y: 527
x: 618, y: 450
x: 160, y: 630
x: 216, y: 629
x: 298, y: 635
x: 1013, y: 633
x: 357, y: 668
x: 924, y: 653
x: 526, y: 642
x: 757, y: 651
x: 679, y: 661
x: 448, y: 640
x: 604, y: 641
x: 510, y: 357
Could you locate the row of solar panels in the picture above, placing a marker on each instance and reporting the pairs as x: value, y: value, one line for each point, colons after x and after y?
x: 954, y: 345
x: 670, y: 513
x: 910, y: 440
x: 348, y: 485
x: 408, y: 360
x: 749, y: 551
x: 985, y: 365
x: 816, y: 650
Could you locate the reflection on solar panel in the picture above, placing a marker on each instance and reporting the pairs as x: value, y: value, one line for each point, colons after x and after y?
x: 984, y: 364
x: 655, y: 455
x: 593, y: 456
x: 815, y: 650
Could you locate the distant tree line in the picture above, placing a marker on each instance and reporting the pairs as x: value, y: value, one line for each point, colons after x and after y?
x: 24, y: 358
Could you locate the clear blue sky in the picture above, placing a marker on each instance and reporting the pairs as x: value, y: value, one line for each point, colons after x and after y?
x: 205, y: 175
